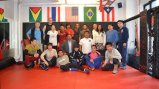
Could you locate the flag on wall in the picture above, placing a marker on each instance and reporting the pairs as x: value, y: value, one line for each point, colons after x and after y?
x: 71, y: 14
x: 54, y: 13
x: 2, y: 19
x: 90, y: 14
x: 108, y: 14
x: 35, y: 14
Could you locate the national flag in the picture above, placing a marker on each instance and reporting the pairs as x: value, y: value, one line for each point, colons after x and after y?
x: 35, y: 14
x: 108, y: 14
x: 2, y: 19
x: 54, y: 13
x: 90, y: 14
x: 71, y: 14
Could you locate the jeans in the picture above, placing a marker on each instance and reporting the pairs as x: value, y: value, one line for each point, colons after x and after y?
x: 124, y: 54
x: 96, y: 64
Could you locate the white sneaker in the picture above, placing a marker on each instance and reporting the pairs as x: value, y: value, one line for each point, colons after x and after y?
x: 115, y: 71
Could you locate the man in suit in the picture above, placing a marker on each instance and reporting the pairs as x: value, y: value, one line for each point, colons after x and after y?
x: 69, y: 44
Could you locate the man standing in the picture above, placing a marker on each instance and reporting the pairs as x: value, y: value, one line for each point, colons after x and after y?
x: 36, y: 33
x: 112, y: 35
x: 123, y: 42
x: 68, y: 45
x: 76, y: 32
x: 47, y: 28
x: 86, y: 43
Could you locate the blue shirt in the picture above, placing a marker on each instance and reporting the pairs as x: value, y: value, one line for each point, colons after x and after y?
x: 37, y: 33
x: 112, y: 36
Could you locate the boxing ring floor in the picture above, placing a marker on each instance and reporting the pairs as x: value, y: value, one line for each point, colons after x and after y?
x: 17, y: 77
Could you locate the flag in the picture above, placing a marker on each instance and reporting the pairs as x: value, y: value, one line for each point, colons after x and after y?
x: 54, y: 13
x: 35, y: 14
x: 90, y: 14
x: 2, y: 19
x: 108, y: 14
x: 71, y: 14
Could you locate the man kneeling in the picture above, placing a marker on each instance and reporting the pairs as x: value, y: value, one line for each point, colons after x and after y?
x: 32, y: 53
x: 112, y: 58
x: 48, y: 57
x: 65, y: 65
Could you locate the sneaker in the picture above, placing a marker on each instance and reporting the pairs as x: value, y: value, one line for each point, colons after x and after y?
x: 43, y: 66
x: 124, y: 67
x: 115, y: 71
x: 86, y: 71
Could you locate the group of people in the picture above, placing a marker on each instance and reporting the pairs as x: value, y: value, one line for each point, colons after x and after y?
x: 70, y: 49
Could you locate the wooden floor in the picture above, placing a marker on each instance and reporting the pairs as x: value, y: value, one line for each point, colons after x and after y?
x: 17, y: 77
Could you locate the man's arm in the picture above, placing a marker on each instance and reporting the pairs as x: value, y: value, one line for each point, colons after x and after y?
x: 28, y: 34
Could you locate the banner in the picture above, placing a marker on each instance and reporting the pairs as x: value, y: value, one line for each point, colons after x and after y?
x: 35, y: 14
x: 2, y: 19
x: 90, y: 14
x: 71, y: 14
x: 54, y: 13
x: 108, y: 14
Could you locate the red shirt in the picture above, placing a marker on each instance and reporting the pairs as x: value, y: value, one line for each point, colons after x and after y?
x: 70, y: 31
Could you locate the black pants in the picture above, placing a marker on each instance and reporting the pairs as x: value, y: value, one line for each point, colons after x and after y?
x: 110, y: 66
x: 71, y: 65
x: 52, y: 62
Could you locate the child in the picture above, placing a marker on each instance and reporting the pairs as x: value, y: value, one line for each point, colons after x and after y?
x: 93, y: 58
x: 64, y: 64
x: 76, y: 56
x: 112, y: 58
x: 48, y: 57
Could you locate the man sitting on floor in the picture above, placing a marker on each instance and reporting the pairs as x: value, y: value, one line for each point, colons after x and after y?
x: 48, y: 57
x: 112, y: 58
x: 76, y: 56
x: 32, y: 53
x: 93, y: 58
x: 65, y: 65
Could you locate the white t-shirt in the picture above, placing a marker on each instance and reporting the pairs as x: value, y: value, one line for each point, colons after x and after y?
x: 86, y: 44
x: 53, y: 37
x: 94, y: 33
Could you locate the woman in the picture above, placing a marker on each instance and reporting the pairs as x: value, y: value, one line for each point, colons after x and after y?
x: 69, y: 30
x: 100, y: 40
x: 53, y: 36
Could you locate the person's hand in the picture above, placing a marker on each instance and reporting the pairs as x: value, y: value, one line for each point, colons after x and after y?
x: 110, y: 57
x: 77, y: 60
x: 46, y: 63
x: 124, y: 44
x: 92, y: 61
x: 36, y: 55
x: 103, y: 65
x: 58, y: 44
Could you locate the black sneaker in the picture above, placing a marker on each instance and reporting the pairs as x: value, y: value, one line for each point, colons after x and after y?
x: 43, y: 66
